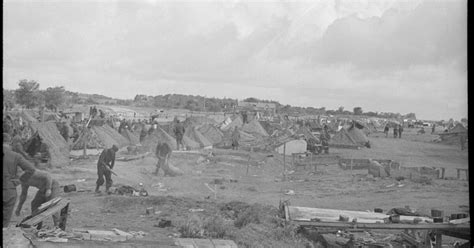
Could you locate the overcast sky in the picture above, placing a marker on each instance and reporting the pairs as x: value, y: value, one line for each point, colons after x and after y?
x: 386, y: 56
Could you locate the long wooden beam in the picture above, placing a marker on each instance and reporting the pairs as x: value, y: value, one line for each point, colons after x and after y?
x: 427, y: 226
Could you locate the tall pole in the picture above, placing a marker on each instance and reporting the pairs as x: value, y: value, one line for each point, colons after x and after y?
x: 284, y: 161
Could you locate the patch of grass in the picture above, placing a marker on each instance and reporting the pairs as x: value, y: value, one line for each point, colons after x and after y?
x: 250, y: 215
x: 191, y: 227
x: 216, y: 227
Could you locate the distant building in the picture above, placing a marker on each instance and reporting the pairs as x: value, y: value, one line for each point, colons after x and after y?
x: 264, y: 107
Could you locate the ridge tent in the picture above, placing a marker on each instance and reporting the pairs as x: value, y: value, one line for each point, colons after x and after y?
x: 194, y: 134
x: 151, y: 140
x: 213, y: 134
x: 343, y: 139
x: 254, y: 127
x: 47, y: 134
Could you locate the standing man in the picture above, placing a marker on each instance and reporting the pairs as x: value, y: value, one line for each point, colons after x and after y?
x: 11, y: 162
x: 395, y: 131
x: 235, y: 139
x: 386, y: 130
x: 179, y: 133
x: 325, y: 137
x: 400, y: 131
x: 48, y: 188
x: 163, y: 153
x: 433, y: 128
x: 104, y: 168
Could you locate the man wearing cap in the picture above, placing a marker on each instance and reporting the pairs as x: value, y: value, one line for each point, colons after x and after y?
x: 11, y: 162
x: 48, y: 188
x: 105, y: 164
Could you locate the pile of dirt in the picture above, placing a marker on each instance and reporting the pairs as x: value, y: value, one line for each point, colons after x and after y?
x: 192, y: 133
x: 57, y: 147
x: 212, y: 133
x: 109, y: 137
x: 151, y: 140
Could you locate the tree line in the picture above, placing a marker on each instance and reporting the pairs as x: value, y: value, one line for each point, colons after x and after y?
x: 29, y: 95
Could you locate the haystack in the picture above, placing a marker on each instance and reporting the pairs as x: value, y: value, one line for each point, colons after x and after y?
x: 254, y: 127
x: 213, y: 134
x: 57, y: 147
x: 109, y: 137
x: 194, y: 134
x: 159, y: 134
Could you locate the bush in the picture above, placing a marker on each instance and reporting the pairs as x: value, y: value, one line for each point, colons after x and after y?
x: 215, y: 227
x: 191, y: 227
x: 250, y: 215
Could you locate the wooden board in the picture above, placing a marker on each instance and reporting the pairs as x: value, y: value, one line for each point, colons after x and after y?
x: 306, y: 214
x: 204, y: 243
x: 427, y: 226
x: 45, y: 214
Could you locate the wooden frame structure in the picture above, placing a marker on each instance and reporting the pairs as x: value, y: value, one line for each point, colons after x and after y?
x: 461, y: 231
x: 62, y: 206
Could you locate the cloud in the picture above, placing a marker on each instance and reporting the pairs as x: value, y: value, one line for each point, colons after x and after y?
x: 326, y: 53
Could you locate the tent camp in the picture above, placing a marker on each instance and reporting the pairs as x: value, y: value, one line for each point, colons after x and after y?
x: 458, y: 128
x: 47, y: 135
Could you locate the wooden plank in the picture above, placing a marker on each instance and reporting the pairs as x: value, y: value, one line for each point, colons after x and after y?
x: 203, y: 243
x: 460, y: 234
x: 221, y: 243
x: 460, y: 221
x: 427, y: 226
x: 47, y: 213
x: 305, y: 213
x: 410, y: 239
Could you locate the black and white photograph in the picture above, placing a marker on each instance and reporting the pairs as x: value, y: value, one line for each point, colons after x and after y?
x: 235, y: 123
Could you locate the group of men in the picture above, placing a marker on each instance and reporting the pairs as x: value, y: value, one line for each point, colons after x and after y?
x: 397, y: 130
x: 48, y: 188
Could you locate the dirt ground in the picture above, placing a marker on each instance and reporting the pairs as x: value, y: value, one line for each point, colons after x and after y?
x: 175, y: 198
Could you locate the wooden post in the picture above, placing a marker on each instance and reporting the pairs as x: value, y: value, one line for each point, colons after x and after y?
x: 284, y: 161
x: 439, y: 240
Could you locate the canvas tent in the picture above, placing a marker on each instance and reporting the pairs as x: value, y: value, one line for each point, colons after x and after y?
x: 192, y: 133
x: 348, y: 138
x: 151, y: 140
x: 49, y: 136
x: 254, y: 127
x: 212, y: 133
x: 237, y: 122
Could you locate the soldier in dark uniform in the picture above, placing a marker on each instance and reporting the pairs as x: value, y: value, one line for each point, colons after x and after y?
x: 11, y: 162
x: 104, y: 166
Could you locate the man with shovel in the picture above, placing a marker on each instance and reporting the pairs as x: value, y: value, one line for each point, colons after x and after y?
x: 163, y: 153
x: 104, y: 168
